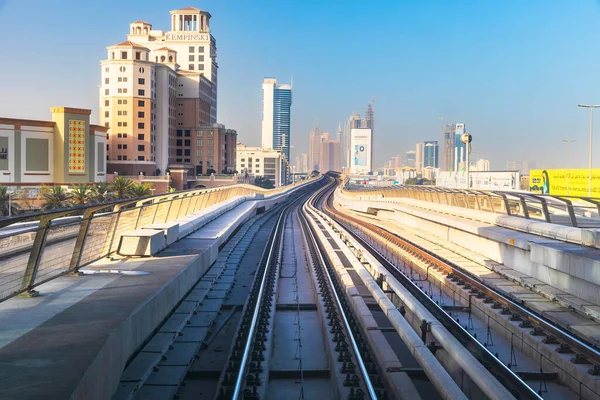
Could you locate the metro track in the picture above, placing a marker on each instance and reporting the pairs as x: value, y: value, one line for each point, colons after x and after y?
x: 529, y: 322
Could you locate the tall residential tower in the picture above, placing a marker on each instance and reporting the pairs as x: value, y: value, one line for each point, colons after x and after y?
x: 276, y: 105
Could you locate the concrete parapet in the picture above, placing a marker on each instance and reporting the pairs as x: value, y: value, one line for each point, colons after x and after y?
x: 170, y: 229
x: 142, y: 242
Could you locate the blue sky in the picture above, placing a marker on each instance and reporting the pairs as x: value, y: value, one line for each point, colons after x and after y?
x: 512, y: 70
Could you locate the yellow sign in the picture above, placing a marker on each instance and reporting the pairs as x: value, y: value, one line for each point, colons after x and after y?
x: 564, y: 182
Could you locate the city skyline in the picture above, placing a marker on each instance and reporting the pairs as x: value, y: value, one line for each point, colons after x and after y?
x: 528, y: 108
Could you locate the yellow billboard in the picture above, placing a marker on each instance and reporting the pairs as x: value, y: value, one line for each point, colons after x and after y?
x: 564, y: 182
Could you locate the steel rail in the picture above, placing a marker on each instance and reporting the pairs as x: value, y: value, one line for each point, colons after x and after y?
x: 522, y: 387
x: 318, y: 252
x: 242, y: 371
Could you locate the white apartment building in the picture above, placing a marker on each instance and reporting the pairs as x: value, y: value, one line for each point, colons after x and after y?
x: 256, y: 161
x: 155, y: 86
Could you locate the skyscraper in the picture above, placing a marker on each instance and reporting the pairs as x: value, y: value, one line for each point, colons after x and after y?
x: 410, y: 158
x: 430, y: 154
x: 453, y: 149
x: 314, y: 155
x: 419, y: 156
x: 157, y: 88
x: 276, y: 106
x: 353, y: 122
x: 369, y: 123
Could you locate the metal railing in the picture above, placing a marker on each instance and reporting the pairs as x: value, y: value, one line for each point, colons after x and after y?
x: 60, y: 242
x: 581, y: 212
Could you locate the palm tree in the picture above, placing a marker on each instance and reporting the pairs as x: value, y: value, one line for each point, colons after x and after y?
x: 121, y: 187
x: 141, y: 190
x: 100, y: 192
x: 80, y: 195
x: 6, y: 201
x: 55, y: 198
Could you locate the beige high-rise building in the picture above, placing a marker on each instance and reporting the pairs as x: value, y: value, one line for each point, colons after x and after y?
x: 314, y: 155
x: 158, y: 88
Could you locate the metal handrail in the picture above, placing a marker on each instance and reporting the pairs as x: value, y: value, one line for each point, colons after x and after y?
x: 179, y: 204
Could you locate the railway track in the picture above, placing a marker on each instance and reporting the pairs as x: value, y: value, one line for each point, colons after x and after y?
x: 270, y: 320
x: 380, y: 241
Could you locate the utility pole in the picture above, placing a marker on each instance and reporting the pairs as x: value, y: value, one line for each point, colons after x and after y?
x: 591, y: 107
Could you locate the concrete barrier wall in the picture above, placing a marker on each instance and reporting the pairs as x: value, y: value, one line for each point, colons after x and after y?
x: 572, y: 268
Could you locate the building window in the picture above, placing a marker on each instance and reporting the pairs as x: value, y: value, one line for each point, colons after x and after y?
x: 210, y: 142
x: 141, y: 147
x: 106, y: 92
x: 140, y: 136
x: 191, y: 49
x: 186, y: 152
x: 138, y: 55
x: 107, y: 147
x: 141, y: 81
x: 179, y: 152
x: 199, y: 134
x: 200, y: 67
x: 106, y: 114
x: 120, y: 124
x: 107, y: 125
x: 120, y: 79
x: 106, y: 103
x: 125, y: 158
x: 119, y: 146
x: 179, y: 142
x: 125, y: 101
x: 107, y: 80
x: 191, y: 67
x: 200, y: 58
x: 119, y: 135
x: 201, y: 49
x: 140, y: 158
x: 187, y: 143
x: 141, y: 125
x: 124, y: 55
x: 122, y: 69
x: 179, y: 132
x: 120, y: 102
x: 140, y: 114
x: 141, y: 70
x: 191, y: 57
x: 119, y: 90
x: 141, y: 92
x: 187, y: 133
x: 141, y: 103
x: 199, y: 142
x: 119, y: 158
x: 124, y: 147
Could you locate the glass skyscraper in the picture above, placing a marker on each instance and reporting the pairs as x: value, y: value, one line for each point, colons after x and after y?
x: 430, y: 154
x: 276, y: 106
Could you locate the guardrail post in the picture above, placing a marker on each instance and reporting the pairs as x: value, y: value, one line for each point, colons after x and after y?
x: 118, y: 208
x: 524, y: 207
x: 81, y: 236
x: 34, y: 257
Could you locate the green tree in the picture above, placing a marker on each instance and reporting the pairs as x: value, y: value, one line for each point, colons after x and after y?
x: 263, y: 182
x: 141, y: 190
x: 121, y: 187
x: 80, y: 194
x: 6, y: 201
x: 100, y: 192
x: 55, y: 198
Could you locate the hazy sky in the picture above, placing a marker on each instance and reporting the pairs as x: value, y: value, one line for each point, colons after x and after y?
x: 512, y: 70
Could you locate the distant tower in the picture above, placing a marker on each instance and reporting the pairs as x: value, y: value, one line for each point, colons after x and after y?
x: 276, y: 105
x: 339, y: 132
x: 370, y: 124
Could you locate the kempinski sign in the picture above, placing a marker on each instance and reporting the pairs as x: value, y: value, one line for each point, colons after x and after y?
x: 184, y: 37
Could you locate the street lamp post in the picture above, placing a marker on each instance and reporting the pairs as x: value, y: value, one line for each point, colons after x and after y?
x: 568, y: 142
x: 591, y: 107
